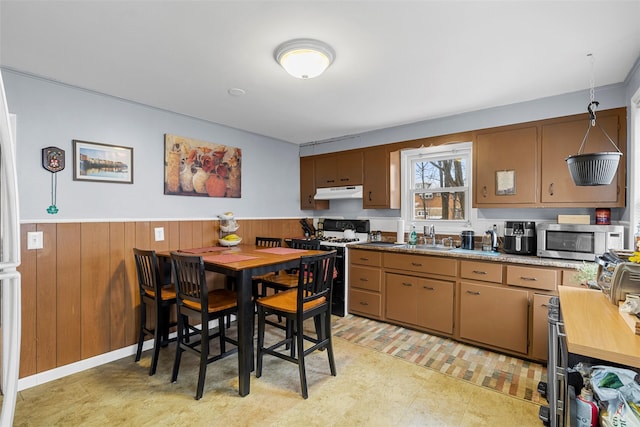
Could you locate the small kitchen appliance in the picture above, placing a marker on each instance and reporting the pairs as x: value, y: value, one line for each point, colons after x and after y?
x: 520, y: 237
x: 467, y: 239
x: 577, y: 241
x: 616, y: 275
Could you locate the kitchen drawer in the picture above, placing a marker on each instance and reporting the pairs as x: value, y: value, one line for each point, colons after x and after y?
x: 365, y: 278
x: 421, y: 264
x: 483, y: 271
x: 363, y: 257
x: 532, y: 277
x: 365, y: 303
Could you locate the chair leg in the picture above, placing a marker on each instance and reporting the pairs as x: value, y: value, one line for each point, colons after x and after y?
x: 204, y: 355
x: 260, y: 344
x: 179, y: 350
x: 329, y: 347
x: 158, y: 333
x: 143, y: 321
x: 299, y: 337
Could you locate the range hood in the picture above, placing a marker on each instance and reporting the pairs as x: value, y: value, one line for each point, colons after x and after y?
x: 333, y: 193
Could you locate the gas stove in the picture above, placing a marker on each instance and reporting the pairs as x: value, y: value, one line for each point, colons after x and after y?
x: 333, y: 231
x: 332, y: 236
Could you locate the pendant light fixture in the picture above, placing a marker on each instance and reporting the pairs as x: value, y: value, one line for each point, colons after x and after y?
x: 304, y: 58
x: 593, y: 169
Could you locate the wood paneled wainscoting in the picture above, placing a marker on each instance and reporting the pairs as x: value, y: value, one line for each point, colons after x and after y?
x: 79, y: 293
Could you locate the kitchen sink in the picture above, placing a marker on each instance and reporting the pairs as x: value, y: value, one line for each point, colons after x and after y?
x: 474, y: 252
x: 382, y: 244
x: 428, y: 247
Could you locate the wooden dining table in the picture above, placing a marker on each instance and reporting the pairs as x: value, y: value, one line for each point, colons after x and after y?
x: 241, y: 263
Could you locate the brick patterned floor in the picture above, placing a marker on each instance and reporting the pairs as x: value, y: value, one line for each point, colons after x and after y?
x: 505, y: 374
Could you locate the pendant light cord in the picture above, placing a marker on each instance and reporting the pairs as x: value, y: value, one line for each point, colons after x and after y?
x: 592, y: 92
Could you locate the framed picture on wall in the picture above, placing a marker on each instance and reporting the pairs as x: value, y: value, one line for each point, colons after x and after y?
x: 199, y: 168
x: 93, y: 161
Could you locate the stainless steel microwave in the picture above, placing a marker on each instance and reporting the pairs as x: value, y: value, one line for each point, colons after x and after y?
x: 577, y: 241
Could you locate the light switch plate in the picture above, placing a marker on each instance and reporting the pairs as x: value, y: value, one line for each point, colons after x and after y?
x: 34, y: 240
x: 159, y: 232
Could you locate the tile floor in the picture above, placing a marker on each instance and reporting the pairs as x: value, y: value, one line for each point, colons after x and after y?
x: 371, y: 389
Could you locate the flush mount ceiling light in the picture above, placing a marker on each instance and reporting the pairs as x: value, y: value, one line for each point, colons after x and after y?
x: 304, y: 58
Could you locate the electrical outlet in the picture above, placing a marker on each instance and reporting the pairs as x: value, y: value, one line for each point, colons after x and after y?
x: 34, y: 240
x: 159, y: 232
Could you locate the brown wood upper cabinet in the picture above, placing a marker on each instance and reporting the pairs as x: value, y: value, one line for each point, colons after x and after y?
x: 337, y: 170
x: 506, y: 153
x: 381, y: 185
x: 308, y: 186
x: 536, y: 153
x: 561, y: 139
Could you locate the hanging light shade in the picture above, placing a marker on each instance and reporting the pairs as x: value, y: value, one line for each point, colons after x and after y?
x: 304, y: 58
x: 592, y: 169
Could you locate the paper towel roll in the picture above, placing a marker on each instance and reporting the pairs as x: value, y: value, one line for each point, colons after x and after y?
x: 400, y: 232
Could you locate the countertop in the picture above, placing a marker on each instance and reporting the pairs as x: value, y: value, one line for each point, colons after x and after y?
x: 469, y: 254
x: 594, y: 327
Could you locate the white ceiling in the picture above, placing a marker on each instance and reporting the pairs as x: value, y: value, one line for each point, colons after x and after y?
x: 397, y: 62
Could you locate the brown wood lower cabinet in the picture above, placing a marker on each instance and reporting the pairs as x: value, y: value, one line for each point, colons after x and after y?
x: 494, y: 315
x: 420, y: 301
x: 540, y: 328
x: 365, y: 283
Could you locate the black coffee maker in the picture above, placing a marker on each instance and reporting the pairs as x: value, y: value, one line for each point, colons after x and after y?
x: 520, y: 237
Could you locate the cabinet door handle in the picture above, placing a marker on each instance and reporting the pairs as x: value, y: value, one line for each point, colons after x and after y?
x: 479, y: 272
x: 344, y: 179
x: 364, y: 259
x: 407, y: 284
x: 416, y: 264
x: 364, y: 303
x: 528, y: 279
x: 310, y: 199
x: 551, y: 189
x: 370, y: 199
x: 364, y: 279
x: 429, y: 288
x: 473, y: 292
x: 484, y: 191
x: 331, y: 181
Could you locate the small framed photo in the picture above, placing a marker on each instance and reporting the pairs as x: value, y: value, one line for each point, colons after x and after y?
x: 505, y: 182
x: 93, y: 161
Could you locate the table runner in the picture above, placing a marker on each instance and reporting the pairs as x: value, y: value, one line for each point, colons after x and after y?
x: 226, y: 258
x: 281, y: 251
x: 203, y: 250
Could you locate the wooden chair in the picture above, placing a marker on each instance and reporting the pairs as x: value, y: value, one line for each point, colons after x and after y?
x: 156, y: 292
x: 310, y: 299
x: 196, y: 301
x: 285, y: 280
x: 267, y: 242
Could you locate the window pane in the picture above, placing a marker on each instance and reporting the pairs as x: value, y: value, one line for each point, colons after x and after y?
x: 432, y: 206
x: 436, y: 174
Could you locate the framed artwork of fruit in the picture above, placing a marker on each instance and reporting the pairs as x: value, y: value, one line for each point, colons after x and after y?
x: 198, y: 168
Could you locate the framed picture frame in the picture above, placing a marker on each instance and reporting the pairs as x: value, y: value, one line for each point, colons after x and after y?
x: 93, y: 161
x: 505, y: 182
x: 202, y: 169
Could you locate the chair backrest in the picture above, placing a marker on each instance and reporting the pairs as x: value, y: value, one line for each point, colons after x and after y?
x: 315, y: 280
x: 269, y: 242
x: 312, y: 244
x: 189, y: 278
x: 149, y: 282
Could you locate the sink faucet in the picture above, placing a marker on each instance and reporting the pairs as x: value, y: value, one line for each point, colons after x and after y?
x: 431, y: 234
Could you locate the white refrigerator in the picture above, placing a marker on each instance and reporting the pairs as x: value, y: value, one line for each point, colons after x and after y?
x: 9, y: 261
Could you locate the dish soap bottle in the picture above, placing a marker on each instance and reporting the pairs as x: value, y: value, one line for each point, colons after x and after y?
x: 413, y: 236
x: 586, y: 409
x: 636, y: 239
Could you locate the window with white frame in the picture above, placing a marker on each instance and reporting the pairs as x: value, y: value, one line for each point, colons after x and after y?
x: 436, y: 184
